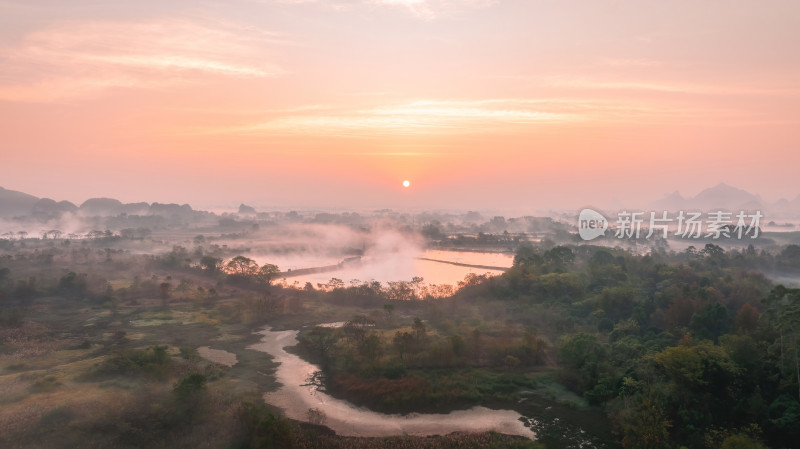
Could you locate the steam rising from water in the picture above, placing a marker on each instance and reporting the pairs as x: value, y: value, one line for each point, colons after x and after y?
x: 385, y: 253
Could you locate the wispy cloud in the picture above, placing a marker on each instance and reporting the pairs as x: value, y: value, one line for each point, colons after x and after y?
x: 75, y: 58
x: 672, y: 87
x: 499, y: 116
x: 423, y: 9
x: 630, y: 62
x: 420, y: 117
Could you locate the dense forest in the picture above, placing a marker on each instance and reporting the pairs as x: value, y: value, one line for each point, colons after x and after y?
x: 694, y: 349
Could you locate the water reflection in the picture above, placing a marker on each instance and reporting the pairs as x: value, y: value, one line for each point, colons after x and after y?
x: 395, y: 267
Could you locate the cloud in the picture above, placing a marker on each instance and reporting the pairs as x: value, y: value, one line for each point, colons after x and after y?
x: 674, y: 87
x: 454, y: 117
x: 423, y: 9
x: 420, y: 117
x: 75, y: 58
x: 630, y: 62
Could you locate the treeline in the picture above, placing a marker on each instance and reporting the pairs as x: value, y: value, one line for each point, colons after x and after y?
x: 695, y: 348
x: 112, y: 278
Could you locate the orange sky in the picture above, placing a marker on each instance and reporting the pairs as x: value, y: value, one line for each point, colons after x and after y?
x: 504, y: 104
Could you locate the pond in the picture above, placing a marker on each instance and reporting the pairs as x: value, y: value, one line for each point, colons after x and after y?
x: 431, y: 265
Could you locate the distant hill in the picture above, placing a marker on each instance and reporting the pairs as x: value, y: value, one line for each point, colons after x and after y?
x: 135, y: 208
x: 673, y: 201
x: 727, y: 198
x: 19, y: 204
x: 720, y: 197
x: 13, y: 203
x: 46, y: 208
x: 101, y: 207
x: 723, y: 196
x: 246, y: 210
x: 788, y: 208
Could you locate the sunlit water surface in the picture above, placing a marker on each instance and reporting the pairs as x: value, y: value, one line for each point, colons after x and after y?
x: 393, y: 267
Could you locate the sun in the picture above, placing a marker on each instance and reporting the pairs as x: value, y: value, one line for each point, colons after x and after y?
x: 406, y: 183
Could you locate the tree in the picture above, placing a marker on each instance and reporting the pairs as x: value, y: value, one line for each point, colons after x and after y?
x: 403, y: 343
x: 356, y: 329
x: 475, y: 337
x: 432, y: 231
x: 242, y: 266
x: 457, y: 345
x: 741, y: 441
x: 712, y: 250
x: 190, y: 386
x: 790, y: 257
x: 645, y: 427
x: 334, y: 284
x: 746, y: 319
x: 371, y: 348
x: 389, y: 309
x: 264, y: 429
x: 164, y: 291
x: 784, y: 417
x: 527, y: 256
x: 580, y: 356
x: 559, y: 258
x: 785, y: 306
x: 267, y: 273
x: 419, y: 330
x: 533, y: 349
x: 210, y: 264
x: 184, y: 287
x: 316, y: 416
x: 619, y: 302
x: 400, y: 290
x: 321, y: 340
x: 629, y: 387
x: 72, y: 284
x: 701, y: 387
x: 711, y: 322
x: 416, y: 283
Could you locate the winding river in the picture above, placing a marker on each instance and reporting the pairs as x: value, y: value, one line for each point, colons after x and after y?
x: 297, y: 395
